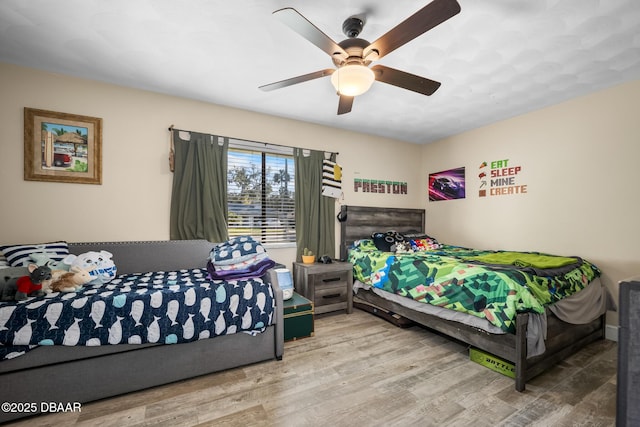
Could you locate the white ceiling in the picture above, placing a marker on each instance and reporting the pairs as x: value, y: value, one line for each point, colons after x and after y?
x: 496, y: 59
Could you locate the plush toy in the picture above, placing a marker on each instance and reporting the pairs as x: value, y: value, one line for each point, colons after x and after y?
x: 71, y: 281
x: 43, y: 258
x: 386, y: 242
x: 32, y: 284
x: 403, y: 247
x: 8, y: 279
x: 98, y: 264
x: 425, y: 244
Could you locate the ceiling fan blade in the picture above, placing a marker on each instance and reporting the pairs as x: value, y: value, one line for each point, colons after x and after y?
x: 298, y: 79
x: 301, y: 25
x: 419, y: 23
x: 345, y: 104
x: 405, y: 80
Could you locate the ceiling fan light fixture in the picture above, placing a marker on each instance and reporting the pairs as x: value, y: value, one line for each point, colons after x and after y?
x: 352, y: 79
x: 372, y: 56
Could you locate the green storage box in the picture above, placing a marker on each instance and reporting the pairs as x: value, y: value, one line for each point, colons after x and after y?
x: 492, y: 362
x: 298, y: 318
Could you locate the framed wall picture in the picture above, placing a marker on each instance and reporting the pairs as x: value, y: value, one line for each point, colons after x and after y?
x: 62, y: 147
x: 447, y: 185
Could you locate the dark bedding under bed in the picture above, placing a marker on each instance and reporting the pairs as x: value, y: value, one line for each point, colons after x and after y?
x: 518, y: 306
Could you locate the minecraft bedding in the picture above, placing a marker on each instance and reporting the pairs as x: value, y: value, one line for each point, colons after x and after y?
x: 493, y: 285
x: 158, y: 307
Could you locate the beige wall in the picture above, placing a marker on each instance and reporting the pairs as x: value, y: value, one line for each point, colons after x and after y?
x: 579, y: 161
x: 133, y: 201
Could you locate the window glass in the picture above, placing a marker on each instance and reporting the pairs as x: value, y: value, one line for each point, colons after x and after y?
x: 261, y: 190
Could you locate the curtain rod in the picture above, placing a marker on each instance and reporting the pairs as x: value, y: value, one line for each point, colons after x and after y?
x: 172, y: 128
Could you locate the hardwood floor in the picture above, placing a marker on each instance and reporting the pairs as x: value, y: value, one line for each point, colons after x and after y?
x: 359, y: 370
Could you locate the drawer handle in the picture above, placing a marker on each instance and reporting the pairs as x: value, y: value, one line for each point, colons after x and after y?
x: 331, y: 296
x: 335, y: 279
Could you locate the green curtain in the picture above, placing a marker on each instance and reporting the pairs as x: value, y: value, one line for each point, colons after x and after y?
x: 315, y: 223
x: 199, y: 194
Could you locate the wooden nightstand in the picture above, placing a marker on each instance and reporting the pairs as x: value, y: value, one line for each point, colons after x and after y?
x: 329, y: 286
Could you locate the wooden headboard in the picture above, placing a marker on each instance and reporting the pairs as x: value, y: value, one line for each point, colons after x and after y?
x: 359, y: 222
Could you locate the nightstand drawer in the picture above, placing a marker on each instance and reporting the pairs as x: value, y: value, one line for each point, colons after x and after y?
x: 328, y: 295
x: 331, y: 279
x: 329, y: 286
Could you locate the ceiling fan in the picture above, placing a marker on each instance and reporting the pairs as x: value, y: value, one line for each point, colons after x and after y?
x: 352, y: 56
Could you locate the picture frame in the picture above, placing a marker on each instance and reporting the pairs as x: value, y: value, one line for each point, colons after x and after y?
x: 62, y: 147
x: 447, y: 185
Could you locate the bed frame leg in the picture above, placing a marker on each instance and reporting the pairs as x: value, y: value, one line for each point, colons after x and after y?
x: 522, y: 321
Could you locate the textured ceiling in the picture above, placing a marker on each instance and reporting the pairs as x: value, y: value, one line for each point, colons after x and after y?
x: 496, y: 59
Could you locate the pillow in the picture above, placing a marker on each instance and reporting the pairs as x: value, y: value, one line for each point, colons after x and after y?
x: 19, y: 255
x: 235, y: 250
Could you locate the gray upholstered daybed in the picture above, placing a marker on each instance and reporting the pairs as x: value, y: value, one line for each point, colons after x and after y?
x: 83, y: 374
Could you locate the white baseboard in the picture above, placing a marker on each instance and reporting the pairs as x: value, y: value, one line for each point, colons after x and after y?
x: 611, y: 332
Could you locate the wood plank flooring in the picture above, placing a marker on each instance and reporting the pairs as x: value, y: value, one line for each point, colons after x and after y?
x: 359, y: 370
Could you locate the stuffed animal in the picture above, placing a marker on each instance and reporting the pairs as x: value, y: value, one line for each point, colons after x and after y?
x: 8, y: 278
x: 44, y: 258
x: 403, y: 248
x: 32, y: 284
x: 387, y: 242
x: 71, y: 281
x: 98, y: 264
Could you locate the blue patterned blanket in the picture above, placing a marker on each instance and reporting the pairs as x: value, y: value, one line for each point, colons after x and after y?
x: 159, y: 307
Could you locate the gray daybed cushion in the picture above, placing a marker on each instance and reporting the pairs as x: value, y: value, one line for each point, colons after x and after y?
x: 161, y: 255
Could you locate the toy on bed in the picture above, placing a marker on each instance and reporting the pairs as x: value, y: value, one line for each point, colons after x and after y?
x: 388, y: 242
x: 392, y: 241
x: 32, y: 284
x: 48, y: 259
x: 98, y: 264
x: 8, y: 278
x: 71, y: 281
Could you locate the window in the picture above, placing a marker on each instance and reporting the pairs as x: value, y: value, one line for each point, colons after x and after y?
x: 261, y: 190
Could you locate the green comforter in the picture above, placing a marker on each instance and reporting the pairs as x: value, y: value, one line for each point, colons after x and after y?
x: 494, y: 285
